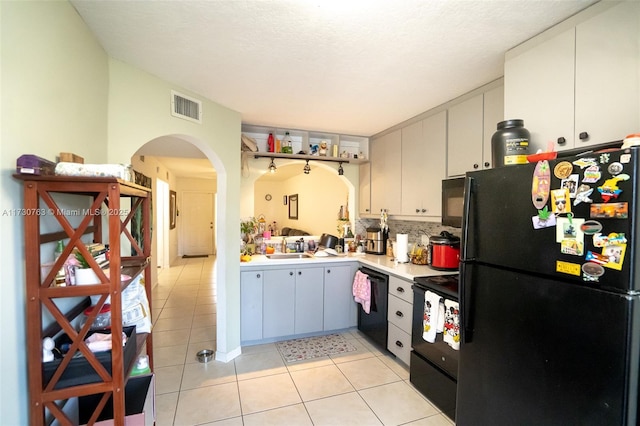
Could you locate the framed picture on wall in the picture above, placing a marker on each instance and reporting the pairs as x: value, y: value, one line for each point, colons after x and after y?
x: 293, y: 206
x: 172, y: 209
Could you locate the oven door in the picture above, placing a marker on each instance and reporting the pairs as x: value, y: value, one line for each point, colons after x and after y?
x: 440, y: 354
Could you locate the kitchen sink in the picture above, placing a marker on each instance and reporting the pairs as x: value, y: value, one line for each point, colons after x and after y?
x: 290, y: 256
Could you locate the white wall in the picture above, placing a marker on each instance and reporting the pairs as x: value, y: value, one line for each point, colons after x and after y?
x: 61, y: 92
x: 54, y: 89
x: 139, y: 112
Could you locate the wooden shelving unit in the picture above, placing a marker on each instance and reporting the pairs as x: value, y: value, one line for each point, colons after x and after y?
x: 42, y: 292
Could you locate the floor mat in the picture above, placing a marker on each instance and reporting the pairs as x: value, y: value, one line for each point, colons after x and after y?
x: 314, y: 347
x: 194, y: 256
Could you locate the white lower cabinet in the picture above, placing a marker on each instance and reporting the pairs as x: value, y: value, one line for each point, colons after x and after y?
x: 284, y: 302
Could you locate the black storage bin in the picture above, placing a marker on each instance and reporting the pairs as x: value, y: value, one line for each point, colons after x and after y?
x: 139, y: 401
x: 79, y: 371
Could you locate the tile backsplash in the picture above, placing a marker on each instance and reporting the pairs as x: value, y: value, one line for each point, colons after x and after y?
x: 413, y: 228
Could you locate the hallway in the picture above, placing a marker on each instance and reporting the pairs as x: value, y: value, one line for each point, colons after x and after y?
x: 365, y: 387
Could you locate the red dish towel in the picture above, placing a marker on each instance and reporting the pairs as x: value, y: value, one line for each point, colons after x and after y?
x: 362, y: 290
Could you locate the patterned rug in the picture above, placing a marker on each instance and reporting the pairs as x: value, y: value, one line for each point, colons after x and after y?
x: 313, y: 347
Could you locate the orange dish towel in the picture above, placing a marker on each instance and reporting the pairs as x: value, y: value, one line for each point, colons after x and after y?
x: 362, y: 290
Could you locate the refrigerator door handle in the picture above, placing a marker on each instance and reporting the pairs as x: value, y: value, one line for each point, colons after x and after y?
x: 465, y: 305
x: 465, y: 255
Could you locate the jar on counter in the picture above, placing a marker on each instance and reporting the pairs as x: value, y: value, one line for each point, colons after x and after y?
x: 102, y: 321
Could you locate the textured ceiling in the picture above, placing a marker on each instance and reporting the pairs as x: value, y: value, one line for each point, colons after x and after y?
x: 344, y: 66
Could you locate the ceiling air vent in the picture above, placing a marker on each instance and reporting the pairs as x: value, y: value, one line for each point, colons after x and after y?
x: 185, y: 107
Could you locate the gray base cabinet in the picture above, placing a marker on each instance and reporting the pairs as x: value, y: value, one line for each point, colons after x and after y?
x: 308, y: 300
x: 340, y: 310
x: 251, y: 302
x: 281, y: 302
x: 278, y: 303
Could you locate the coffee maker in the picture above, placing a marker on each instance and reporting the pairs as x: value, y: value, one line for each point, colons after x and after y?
x: 376, y: 241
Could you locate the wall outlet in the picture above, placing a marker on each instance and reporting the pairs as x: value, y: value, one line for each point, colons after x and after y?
x: 424, y: 240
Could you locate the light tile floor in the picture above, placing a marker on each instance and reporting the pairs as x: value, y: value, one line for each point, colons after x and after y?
x: 365, y: 387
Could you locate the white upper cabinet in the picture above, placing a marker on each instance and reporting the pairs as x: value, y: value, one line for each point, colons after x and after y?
x: 493, y: 102
x: 364, y: 194
x: 423, y: 167
x: 578, y: 84
x: 608, y: 74
x: 386, y: 161
x: 465, y: 136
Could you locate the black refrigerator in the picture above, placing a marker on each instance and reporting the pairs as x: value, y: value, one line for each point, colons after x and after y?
x: 549, y: 293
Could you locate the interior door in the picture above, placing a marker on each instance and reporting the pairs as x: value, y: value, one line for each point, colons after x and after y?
x: 198, y: 230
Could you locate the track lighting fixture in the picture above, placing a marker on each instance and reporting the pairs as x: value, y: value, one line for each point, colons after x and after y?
x: 340, y: 170
x: 272, y: 166
x: 307, y: 168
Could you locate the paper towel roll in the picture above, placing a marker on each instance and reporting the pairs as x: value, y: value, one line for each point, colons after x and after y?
x: 402, y: 252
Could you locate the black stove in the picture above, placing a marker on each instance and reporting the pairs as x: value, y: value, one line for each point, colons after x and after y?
x: 434, y: 366
x: 447, y: 284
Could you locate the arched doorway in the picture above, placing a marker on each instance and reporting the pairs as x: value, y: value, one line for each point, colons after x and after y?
x: 181, y: 161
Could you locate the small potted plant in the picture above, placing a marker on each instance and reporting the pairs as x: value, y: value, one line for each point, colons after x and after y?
x: 249, y: 228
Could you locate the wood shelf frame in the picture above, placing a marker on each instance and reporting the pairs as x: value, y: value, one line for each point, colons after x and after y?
x: 41, y: 292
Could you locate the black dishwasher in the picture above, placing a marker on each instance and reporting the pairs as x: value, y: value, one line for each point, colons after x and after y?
x: 374, y: 324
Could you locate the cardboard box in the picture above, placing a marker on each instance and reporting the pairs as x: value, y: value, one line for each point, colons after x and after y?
x: 79, y: 371
x: 140, y: 404
x: 69, y: 157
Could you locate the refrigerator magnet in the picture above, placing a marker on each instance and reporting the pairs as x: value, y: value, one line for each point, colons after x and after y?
x: 563, y: 170
x: 592, y: 271
x: 592, y: 174
x: 541, y: 184
x: 570, y: 229
x: 544, y: 219
x: 560, y: 201
x: 571, y: 183
x: 609, y: 210
x: 615, y: 254
x: 609, y: 189
x: 582, y: 195
x: 583, y: 163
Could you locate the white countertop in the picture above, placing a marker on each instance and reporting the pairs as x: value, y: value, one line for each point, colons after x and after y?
x: 407, y: 271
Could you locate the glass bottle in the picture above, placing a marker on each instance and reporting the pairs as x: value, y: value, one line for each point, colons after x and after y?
x: 58, y: 251
x: 287, y: 147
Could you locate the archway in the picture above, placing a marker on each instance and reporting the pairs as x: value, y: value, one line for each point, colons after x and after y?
x: 148, y: 160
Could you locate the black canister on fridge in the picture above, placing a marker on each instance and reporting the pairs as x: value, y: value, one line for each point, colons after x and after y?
x: 510, y: 143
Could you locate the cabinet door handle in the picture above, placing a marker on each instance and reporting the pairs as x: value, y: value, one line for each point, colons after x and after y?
x: 400, y: 314
x: 290, y: 273
x: 258, y: 276
x: 583, y: 136
x: 424, y: 210
x: 399, y: 344
x: 400, y: 290
x: 561, y: 140
x: 328, y: 271
x: 487, y: 164
x: 475, y: 166
x: 417, y: 210
x: 299, y: 272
